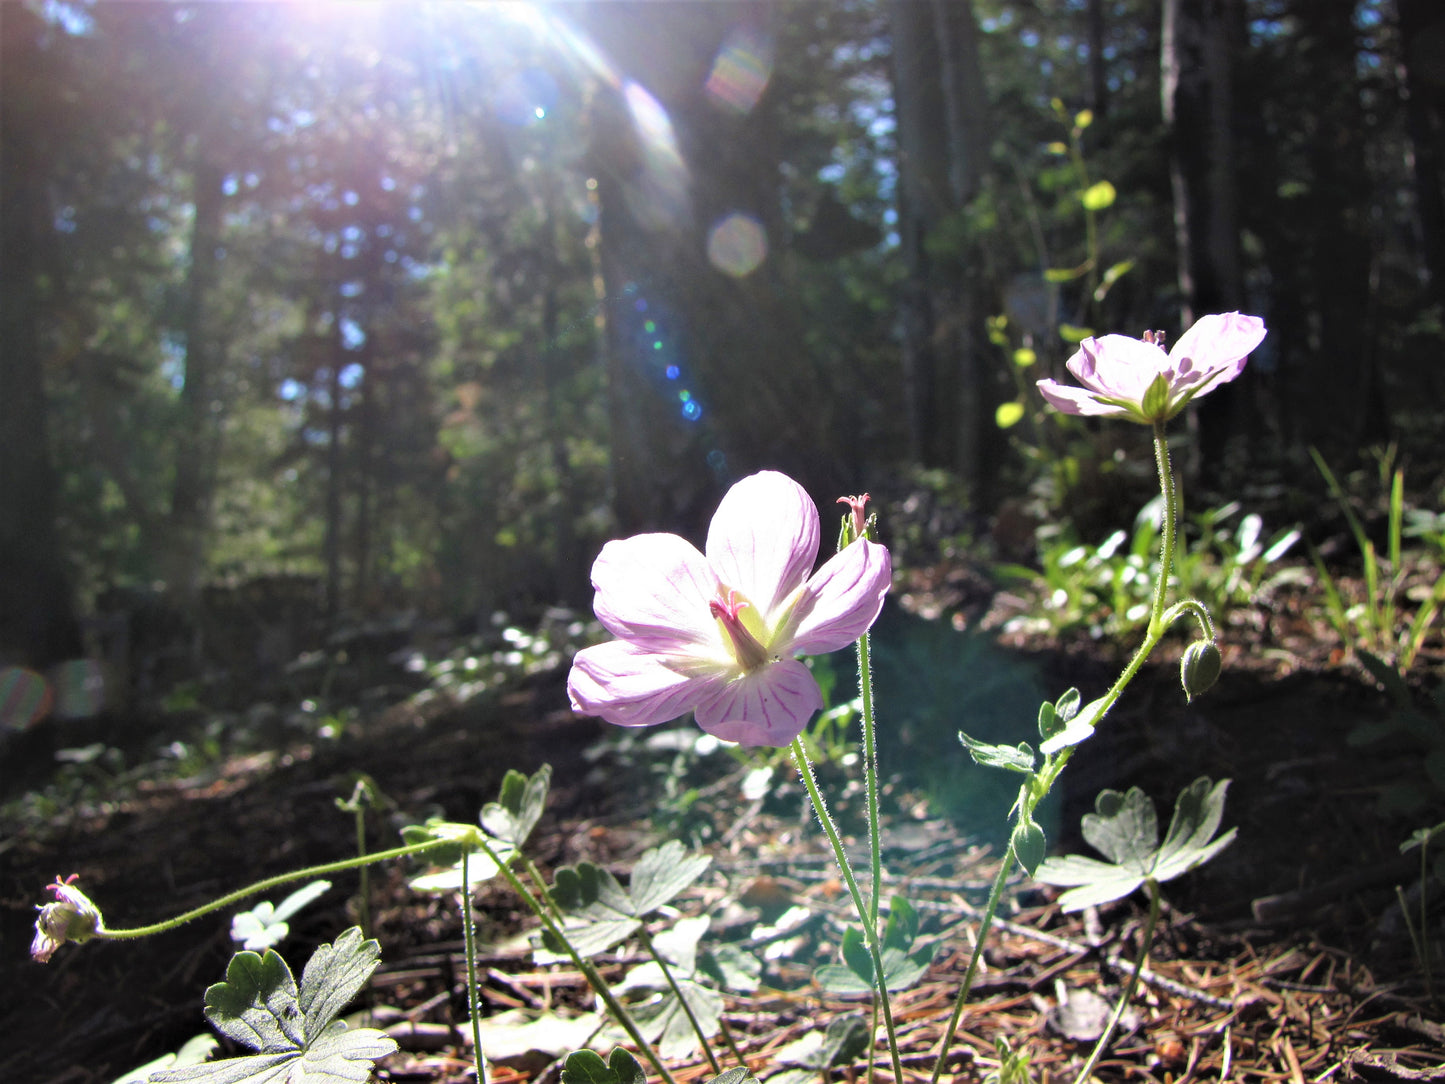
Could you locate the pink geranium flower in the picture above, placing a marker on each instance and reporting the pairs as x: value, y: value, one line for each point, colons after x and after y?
x: 717, y: 634
x: 1136, y: 380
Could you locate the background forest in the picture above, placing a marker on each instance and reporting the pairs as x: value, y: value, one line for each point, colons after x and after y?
x: 410, y: 307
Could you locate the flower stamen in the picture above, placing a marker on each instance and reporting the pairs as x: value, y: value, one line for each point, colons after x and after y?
x: 727, y: 609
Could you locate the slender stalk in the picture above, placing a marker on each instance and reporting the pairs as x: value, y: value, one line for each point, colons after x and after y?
x: 870, y: 779
x: 727, y: 1034
x: 363, y: 910
x: 473, y: 998
x: 1171, y: 518
x: 646, y: 939
x: 594, y: 978
x: 269, y: 883
x: 990, y: 909
x: 870, y: 930
x: 1129, y: 987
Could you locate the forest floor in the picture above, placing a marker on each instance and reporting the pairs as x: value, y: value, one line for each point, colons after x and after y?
x: 1286, y: 959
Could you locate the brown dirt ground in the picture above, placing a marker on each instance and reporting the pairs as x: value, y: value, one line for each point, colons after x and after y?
x: 1283, y: 961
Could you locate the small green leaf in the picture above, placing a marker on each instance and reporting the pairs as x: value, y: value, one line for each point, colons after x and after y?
x: 856, y: 955
x: 1018, y: 758
x: 587, y: 1067
x: 265, y: 926
x: 1098, y: 196
x: 901, y: 930
x: 519, y: 806
x: 1072, y: 333
x: 736, y: 1075
x: 1024, y: 357
x: 1083, y: 118
x: 732, y: 967
x: 1062, y: 274
x: 1124, y: 827
x: 1117, y: 271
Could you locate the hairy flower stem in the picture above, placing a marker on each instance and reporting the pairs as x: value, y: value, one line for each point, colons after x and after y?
x: 1171, y: 521
x: 647, y: 943
x: 870, y: 929
x: 870, y: 779
x: 473, y: 996
x: 269, y: 883
x: 990, y: 909
x: 1129, y: 987
x: 594, y: 978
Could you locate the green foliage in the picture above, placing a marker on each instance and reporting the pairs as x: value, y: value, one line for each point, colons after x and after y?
x: 1376, y: 624
x: 294, y: 1030
x: 1106, y: 589
x: 264, y: 925
x: 905, y: 959
x: 1125, y: 829
x: 586, y: 1067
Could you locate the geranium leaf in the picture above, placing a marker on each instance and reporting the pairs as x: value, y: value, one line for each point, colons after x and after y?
x: 661, y: 874
x: 296, y: 1031
x: 519, y: 806
x: 587, y: 1067
x: 1124, y: 827
x: 1018, y: 758
x: 265, y: 925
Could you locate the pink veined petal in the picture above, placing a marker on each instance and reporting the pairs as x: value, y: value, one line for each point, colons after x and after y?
x: 1218, y: 343
x: 1121, y: 367
x: 841, y: 601
x: 769, y: 706
x: 763, y: 539
x: 633, y: 687
x: 654, y: 589
x: 1072, y: 400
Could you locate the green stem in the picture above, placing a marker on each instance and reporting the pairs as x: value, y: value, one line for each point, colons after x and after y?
x: 269, y: 883
x: 870, y: 778
x: 1129, y: 987
x: 990, y: 909
x: 870, y: 930
x: 594, y: 978
x: 727, y: 1034
x: 364, y: 905
x: 1171, y: 517
x: 473, y: 996
x: 681, y: 1000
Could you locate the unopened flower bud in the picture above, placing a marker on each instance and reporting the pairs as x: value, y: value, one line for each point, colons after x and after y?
x: 72, y: 917
x: 1199, y: 668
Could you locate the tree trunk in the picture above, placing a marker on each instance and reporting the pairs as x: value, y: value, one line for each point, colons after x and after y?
x: 940, y: 106
x: 1197, y: 45
x: 190, y: 494
x: 1422, y: 34
x: 37, y: 621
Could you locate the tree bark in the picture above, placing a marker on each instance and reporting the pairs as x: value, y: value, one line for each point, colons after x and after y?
x: 939, y: 92
x: 1422, y: 39
x: 190, y: 495
x: 37, y: 621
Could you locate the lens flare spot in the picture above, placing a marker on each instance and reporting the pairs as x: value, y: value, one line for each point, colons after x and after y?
x: 691, y: 411
x: 24, y: 698
x: 649, y: 326
x: 526, y: 97
x: 79, y: 688
x: 737, y: 245
x: 657, y: 344
x: 684, y: 396
x: 672, y: 372
x: 741, y: 70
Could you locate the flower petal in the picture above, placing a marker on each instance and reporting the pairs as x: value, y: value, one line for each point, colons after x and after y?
x: 1220, y: 343
x: 764, y: 539
x: 770, y: 706
x: 654, y: 589
x: 631, y: 686
x: 1117, y: 366
x: 1072, y: 400
x: 840, y: 602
